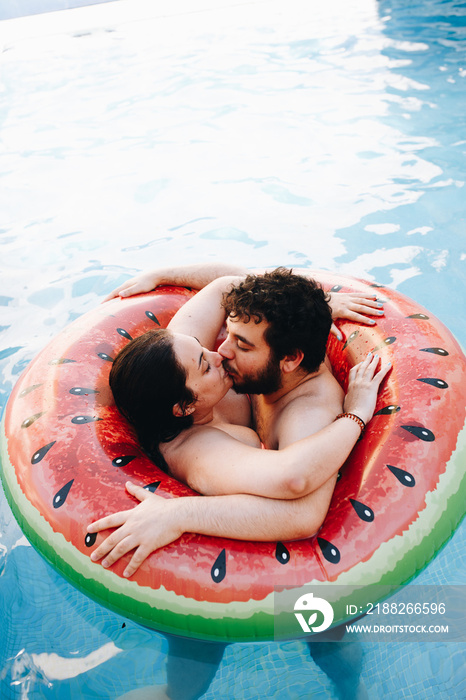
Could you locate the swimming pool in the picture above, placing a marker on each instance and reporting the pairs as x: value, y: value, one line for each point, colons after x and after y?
x: 137, y: 134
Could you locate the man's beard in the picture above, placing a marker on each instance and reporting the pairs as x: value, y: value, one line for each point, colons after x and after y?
x: 266, y: 381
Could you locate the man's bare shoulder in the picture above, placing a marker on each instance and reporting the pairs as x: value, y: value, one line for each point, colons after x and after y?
x: 320, y: 387
x: 308, y: 408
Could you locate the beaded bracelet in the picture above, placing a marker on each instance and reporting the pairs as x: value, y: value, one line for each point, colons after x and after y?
x: 356, y: 419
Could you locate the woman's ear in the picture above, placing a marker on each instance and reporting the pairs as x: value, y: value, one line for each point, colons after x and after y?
x: 180, y: 411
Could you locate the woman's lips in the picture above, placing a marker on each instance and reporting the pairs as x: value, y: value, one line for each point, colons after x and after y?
x: 225, y: 374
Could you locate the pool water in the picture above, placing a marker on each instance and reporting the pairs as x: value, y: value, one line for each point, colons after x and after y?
x: 138, y: 134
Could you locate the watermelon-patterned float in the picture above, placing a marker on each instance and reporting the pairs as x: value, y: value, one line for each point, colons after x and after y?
x: 66, y: 454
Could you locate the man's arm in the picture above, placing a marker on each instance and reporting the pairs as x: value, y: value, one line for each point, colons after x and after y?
x: 203, y: 315
x: 156, y: 521
x: 193, y: 276
x: 356, y: 307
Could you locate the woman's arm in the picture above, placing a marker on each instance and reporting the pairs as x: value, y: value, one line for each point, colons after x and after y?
x: 157, y: 521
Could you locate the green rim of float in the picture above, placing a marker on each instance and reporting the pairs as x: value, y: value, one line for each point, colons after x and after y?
x: 178, y: 592
x: 119, y: 594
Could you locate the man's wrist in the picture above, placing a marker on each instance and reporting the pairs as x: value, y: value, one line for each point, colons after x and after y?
x: 186, y: 513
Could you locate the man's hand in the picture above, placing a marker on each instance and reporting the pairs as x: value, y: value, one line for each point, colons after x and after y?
x: 194, y: 276
x: 152, y: 524
x: 354, y: 306
x: 157, y: 521
x: 145, y: 282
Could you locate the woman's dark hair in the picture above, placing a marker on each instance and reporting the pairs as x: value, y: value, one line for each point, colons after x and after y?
x: 295, y: 307
x: 147, y: 380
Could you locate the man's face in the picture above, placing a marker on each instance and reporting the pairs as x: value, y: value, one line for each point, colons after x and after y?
x: 248, y: 358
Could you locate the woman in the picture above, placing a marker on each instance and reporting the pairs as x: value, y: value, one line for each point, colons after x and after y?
x: 150, y: 385
x: 174, y: 389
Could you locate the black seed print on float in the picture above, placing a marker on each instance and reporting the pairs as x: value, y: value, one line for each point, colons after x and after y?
x: 420, y: 432
x: 29, y: 421
x: 90, y: 539
x: 123, y: 461
x: 336, y: 288
x: 219, y: 569
x: 82, y: 391
x: 387, y: 341
x: 152, y: 317
x: 124, y: 333
x: 363, y: 511
x: 61, y: 496
x: 435, y: 351
x: 433, y: 381
x: 351, y: 337
x: 388, y: 410
x: 403, y: 477
x: 420, y: 317
x: 80, y: 420
x: 104, y: 356
x: 40, y: 454
x: 281, y: 553
x: 153, y: 487
x: 26, y: 391
x: 329, y: 551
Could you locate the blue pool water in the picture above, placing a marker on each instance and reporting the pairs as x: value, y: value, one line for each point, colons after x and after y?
x: 137, y: 133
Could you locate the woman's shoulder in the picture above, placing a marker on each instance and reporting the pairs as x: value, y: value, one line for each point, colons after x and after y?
x: 208, y: 434
x: 212, y: 439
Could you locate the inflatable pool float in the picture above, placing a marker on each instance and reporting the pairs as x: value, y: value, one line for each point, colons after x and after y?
x: 66, y: 454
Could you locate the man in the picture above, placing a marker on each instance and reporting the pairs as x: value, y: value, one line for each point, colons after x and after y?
x: 293, y: 395
x: 301, y: 399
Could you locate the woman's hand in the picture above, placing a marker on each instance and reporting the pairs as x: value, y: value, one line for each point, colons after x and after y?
x: 145, y: 282
x: 354, y: 306
x: 152, y: 524
x: 363, y: 386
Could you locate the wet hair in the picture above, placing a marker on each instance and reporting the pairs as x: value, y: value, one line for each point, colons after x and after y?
x: 295, y: 307
x: 147, y: 380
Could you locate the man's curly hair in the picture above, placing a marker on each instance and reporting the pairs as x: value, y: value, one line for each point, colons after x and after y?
x: 295, y: 307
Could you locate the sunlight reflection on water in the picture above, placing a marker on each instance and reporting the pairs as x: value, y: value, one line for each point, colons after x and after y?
x: 327, y: 137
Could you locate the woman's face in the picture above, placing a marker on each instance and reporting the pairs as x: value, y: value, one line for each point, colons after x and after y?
x: 206, y: 377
